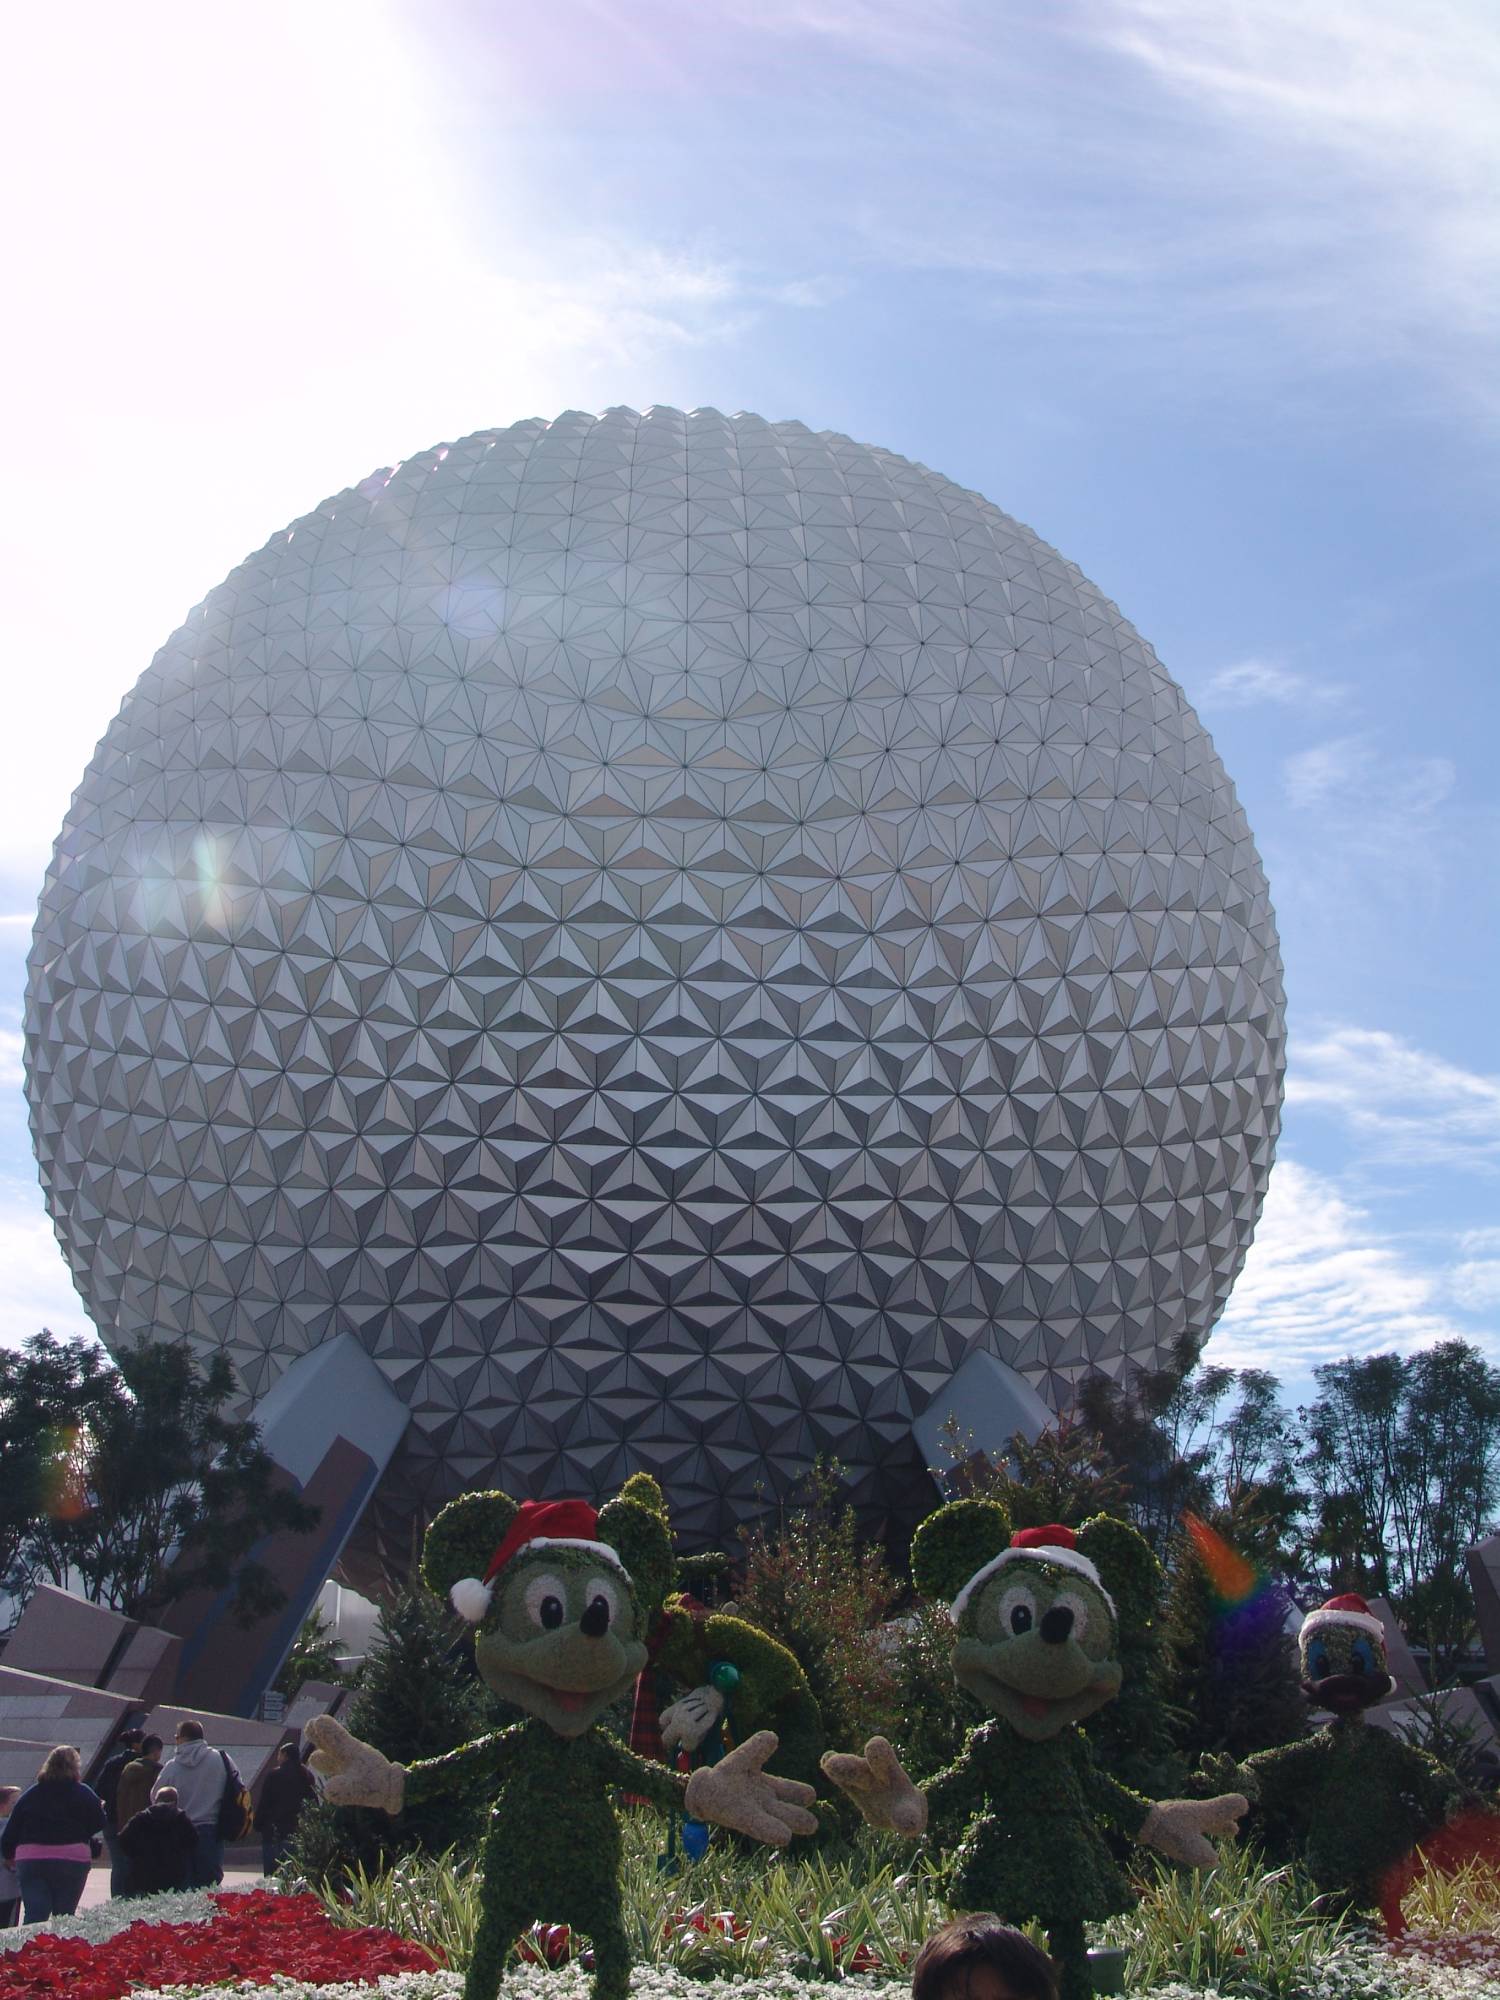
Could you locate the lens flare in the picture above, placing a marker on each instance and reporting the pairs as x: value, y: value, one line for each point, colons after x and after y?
x: 1234, y: 1579
x: 64, y: 1488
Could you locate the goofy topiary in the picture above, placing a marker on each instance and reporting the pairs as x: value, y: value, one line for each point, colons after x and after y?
x: 1037, y: 1622
x: 561, y: 1599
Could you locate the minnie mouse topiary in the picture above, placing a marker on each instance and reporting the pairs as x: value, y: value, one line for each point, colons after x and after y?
x: 1037, y: 1620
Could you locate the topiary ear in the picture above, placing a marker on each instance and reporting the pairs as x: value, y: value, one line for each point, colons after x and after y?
x: 1131, y: 1574
x: 644, y: 1543
x: 462, y: 1539
x: 642, y: 1487
x: 954, y: 1542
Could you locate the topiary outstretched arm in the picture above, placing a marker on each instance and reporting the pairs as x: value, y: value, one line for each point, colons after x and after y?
x: 355, y: 1774
x: 653, y: 1781
x: 494, y: 1758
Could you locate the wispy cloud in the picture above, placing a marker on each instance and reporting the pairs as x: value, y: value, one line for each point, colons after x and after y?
x: 1321, y: 1281
x: 1254, y: 682
x: 1381, y: 116
x: 1367, y: 828
x: 1384, y: 792
x: 37, y: 1291
x: 1403, y: 1105
x: 1185, y: 171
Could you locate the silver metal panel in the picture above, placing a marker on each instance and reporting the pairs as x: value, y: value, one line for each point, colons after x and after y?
x: 673, y: 929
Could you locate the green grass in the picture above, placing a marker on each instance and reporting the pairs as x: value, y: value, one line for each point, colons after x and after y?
x: 1240, y: 1927
x: 868, y: 1907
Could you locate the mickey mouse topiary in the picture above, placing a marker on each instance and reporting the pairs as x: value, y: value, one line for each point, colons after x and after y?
x: 1037, y: 1621
x: 561, y: 1598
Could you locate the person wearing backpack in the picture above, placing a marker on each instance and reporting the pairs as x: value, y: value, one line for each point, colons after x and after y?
x: 107, y: 1787
x: 207, y: 1783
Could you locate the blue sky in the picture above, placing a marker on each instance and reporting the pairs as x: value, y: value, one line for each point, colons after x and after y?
x: 1207, y: 295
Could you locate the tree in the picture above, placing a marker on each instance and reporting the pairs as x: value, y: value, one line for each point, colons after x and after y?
x: 51, y: 1391
x: 165, y: 1493
x: 1234, y: 1682
x: 812, y: 1582
x: 416, y: 1698
x: 1403, y: 1454
x: 1063, y: 1475
x: 314, y: 1656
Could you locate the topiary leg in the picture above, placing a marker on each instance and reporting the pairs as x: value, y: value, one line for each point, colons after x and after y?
x: 611, y: 1955
x: 1068, y: 1943
x: 502, y: 1918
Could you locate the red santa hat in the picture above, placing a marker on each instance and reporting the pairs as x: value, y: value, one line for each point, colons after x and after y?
x: 538, y: 1524
x: 1052, y: 1544
x: 1349, y: 1612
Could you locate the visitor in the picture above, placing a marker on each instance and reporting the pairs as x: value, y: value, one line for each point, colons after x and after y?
x: 162, y: 1845
x: 200, y: 1775
x: 976, y: 1957
x: 287, y: 1789
x: 133, y: 1793
x: 52, y: 1835
x: 106, y: 1785
x: 10, y: 1888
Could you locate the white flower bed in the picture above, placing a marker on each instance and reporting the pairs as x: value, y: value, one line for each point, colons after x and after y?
x: 568, y: 1982
x: 1359, y: 1973
x: 174, y: 1906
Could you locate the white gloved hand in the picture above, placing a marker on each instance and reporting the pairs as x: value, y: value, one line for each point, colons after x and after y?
x: 685, y: 1724
x: 353, y: 1774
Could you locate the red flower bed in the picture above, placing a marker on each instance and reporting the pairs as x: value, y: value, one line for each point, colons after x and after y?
x: 255, y: 1936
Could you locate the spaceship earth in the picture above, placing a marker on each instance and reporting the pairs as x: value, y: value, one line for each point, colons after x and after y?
x: 674, y: 929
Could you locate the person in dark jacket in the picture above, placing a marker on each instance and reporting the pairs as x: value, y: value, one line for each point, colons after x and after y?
x: 287, y: 1789
x: 106, y: 1785
x: 133, y: 1793
x: 161, y: 1843
x: 10, y: 1888
x: 51, y: 1836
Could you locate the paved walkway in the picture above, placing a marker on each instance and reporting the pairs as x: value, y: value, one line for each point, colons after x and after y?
x: 96, y: 1889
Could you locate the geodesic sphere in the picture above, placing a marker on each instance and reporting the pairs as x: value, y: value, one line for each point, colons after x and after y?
x: 672, y: 929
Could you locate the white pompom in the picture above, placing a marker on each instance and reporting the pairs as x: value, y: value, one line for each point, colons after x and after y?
x: 471, y: 1598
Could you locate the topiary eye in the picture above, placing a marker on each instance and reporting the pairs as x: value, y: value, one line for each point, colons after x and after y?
x: 1319, y: 1665
x: 546, y: 1602
x: 1017, y: 1611
x: 1363, y: 1656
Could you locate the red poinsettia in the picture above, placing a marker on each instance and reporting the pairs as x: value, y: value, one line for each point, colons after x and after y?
x: 254, y: 1936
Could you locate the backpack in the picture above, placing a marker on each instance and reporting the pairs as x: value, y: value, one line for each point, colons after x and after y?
x: 236, y: 1809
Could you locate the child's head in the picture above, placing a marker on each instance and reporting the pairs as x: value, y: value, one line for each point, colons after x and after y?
x: 976, y: 1957
x: 8, y: 1796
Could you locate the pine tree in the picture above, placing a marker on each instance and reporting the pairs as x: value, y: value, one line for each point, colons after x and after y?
x: 1234, y: 1683
x: 415, y: 1699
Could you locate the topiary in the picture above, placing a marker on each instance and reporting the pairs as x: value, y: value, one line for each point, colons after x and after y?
x: 560, y: 1598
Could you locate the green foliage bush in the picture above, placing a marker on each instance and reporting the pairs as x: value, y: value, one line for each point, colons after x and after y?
x: 814, y: 1583
x: 413, y: 1700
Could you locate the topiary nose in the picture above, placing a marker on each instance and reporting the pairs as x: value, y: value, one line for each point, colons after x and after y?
x: 595, y: 1621
x: 1056, y: 1624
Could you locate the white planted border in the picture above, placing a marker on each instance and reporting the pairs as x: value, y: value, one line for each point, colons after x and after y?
x: 1360, y: 1972
x: 94, y: 1926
